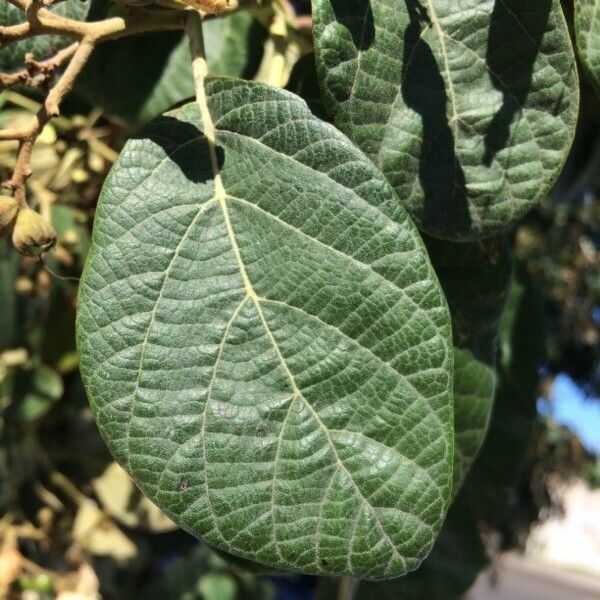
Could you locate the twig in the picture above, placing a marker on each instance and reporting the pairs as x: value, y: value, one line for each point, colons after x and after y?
x: 22, y: 4
x: 41, y: 20
x: 86, y: 35
x: 50, y: 108
x: 37, y: 73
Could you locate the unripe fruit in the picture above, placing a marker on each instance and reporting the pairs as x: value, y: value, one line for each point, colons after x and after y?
x: 32, y: 235
x: 9, y: 209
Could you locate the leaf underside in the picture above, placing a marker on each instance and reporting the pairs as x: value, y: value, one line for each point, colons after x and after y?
x: 469, y: 108
x: 264, y: 342
x: 587, y: 30
x: 13, y: 57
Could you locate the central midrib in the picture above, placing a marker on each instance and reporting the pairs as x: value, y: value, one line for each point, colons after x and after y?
x: 209, y: 131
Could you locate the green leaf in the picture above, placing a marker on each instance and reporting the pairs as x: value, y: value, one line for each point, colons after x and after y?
x: 587, y: 31
x: 47, y: 382
x: 264, y: 342
x: 474, y: 387
x: 155, y: 70
x: 468, y: 108
x: 216, y: 586
x: 476, y: 280
x: 13, y: 57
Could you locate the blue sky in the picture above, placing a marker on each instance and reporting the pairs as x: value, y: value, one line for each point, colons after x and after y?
x: 571, y: 407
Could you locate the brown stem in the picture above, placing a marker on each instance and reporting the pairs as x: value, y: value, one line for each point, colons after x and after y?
x: 40, y: 20
x: 50, y: 108
x: 38, y: 72
x: 22, y: 4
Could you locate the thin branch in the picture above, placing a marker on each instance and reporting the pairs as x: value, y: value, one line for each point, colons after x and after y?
x: 77, y: 55
x: 22, y: 4
x: 37, y: 73
x: 50, y: 108
x: 86, y: 35
x: 44, y: 22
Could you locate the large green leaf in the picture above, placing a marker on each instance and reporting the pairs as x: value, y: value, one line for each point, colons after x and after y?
x: 475, y: 277
x: 264, y: 341
x: 587, y: 30
x: 13, y: 57
x: 469, y: 108
x: 155, y: 70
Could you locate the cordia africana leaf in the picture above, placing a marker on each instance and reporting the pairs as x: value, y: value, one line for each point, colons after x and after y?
x: 264, y: 341
x: 13, y: 57
x: 475, y: 278
x: 468, y: 107
x: 587, y: 30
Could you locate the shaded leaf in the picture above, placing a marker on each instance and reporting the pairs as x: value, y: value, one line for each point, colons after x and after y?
x: 201, y: 573
x: 39, y: 390
x: 469, y: 109
x: 304, y: 82
x: 474, y: 388
x: 261, y: 332
x: 215, y: 586
x: 490, y: 486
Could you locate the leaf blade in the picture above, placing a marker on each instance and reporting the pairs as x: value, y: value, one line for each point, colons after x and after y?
x: 266, y: 304
x: 469, y: 111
